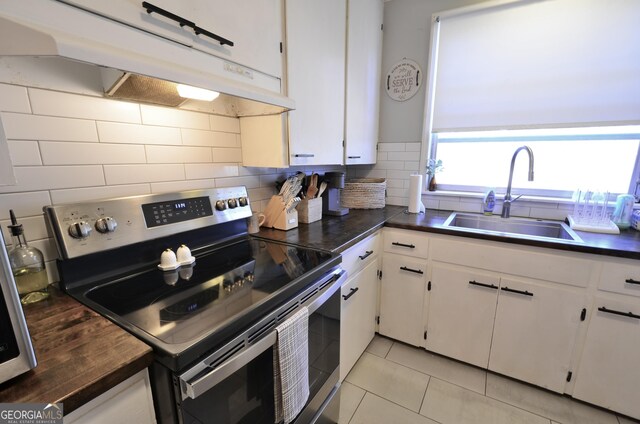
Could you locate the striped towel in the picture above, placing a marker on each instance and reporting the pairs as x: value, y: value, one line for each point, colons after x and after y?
x: 291, y: 366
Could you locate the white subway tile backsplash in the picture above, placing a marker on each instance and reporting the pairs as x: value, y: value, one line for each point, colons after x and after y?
x: 412, y: 166
x: 113, y: 132
x: 398, y: 201
x: 399, y: 174
x: 391, y: 147
x: 248, y: 181
x: 54, y: 103
x: 263, y: 193
x: 413, y: 147
x: 24, y: 153
x: 269, y: 180
x: 35, y: 178
x: 198, y: 171
x: 62, y: 153
x: 224, y: 124
x: 34, y: 228
x: 372, y: 173
x: 19, y: 126
x: 244, y: 170
x: 163, y: 116
x: 131, y: 174
x: 23, y: 204
x: 382, y: 156
x: 171, y: 186
x: 14, y: 99
x: 397, y: 192
x: 47, y: 247
x: 178, y: 154
x: 227, y: 155
x: 394, y: 183
x: 387, y: 164
x: 404, y: 156
x: 95, y: 193
x: 192, y: 137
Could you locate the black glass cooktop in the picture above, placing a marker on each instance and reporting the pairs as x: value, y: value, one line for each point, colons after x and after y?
x: 178, y: 307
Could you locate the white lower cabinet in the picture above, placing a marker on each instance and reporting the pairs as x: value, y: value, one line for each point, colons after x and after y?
x: 402, y: 298
x: 609, y: 374
x: 128, y: 402
x: 358, y: 320
x: 462, y: 308
x: 535, y: 332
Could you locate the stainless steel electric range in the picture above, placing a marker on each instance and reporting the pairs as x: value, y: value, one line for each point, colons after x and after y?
x: 211, y: 323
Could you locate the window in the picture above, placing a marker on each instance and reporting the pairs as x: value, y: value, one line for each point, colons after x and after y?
x: 564, y: 160
x: 551, y: 74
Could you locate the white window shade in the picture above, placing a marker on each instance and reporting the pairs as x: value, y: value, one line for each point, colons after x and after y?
x: 537, y: 64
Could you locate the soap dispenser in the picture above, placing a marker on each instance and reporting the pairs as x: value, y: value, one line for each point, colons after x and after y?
x: 489, y: 202
x: 27, y: 264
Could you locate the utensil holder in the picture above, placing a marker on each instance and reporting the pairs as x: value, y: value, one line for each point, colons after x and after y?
x: 310, y: 210
x: 277, y: 217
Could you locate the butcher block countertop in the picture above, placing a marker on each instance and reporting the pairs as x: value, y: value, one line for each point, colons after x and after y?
x: 80, y: 355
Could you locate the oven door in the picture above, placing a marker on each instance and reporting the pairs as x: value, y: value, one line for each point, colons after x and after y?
x: 237, y: 387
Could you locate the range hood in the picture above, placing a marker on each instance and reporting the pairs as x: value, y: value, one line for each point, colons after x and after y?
x: 32, y: 28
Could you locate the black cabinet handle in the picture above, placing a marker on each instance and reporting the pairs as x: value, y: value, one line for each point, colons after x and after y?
x: 631, y: 281
x: 489, y: 286
x: 351, y: 293
x: 152, y: 8
x: 507, y: 289
x: 614, y: 312
x: 366, y: 254
x: 304, y: 155
x: 354, y: 157
x: 410, y: 246
x: 417, y: 271
x: 210, y: 34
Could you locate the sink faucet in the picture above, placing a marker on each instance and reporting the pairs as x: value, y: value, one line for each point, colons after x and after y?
x: 506, y: 205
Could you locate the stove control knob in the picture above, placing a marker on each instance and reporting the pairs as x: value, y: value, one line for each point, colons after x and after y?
x: 233, y: 203
x: 106, y: 225
x: 80, y: 230
x: 243, y: 201
x: 221, y: 205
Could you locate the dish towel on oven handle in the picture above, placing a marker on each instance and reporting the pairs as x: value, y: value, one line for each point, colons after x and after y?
x: 291, y: 366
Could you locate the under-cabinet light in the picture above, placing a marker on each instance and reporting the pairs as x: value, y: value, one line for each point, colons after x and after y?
x: 189, y: 92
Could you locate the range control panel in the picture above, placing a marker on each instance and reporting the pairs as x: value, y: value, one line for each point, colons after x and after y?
x: 83, y: 228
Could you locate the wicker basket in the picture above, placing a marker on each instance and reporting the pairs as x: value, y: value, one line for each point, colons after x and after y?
x: 364, y: 193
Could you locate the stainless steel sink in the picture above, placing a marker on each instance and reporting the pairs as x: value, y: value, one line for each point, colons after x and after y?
x: 534, y: 229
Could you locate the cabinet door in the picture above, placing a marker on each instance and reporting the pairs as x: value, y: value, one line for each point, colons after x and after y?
x: 535, y: 332
x: 364, y: 61
x: 402, y: 298
x: 315, y: 80
x: 462, y: 308
x: 608, y: 374
x: 358, y: 319
x: 254, y: 26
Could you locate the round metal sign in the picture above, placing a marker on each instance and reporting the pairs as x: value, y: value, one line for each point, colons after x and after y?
x: 404, y: 80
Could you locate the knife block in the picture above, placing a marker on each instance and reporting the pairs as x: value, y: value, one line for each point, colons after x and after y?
x: 277, y: 217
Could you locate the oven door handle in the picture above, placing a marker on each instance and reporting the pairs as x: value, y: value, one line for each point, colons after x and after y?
x: 199, y: 384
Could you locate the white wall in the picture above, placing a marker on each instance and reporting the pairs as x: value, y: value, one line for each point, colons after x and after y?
x: 69, y: 144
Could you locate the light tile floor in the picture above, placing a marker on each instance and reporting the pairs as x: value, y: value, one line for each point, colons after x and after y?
x: 393, y: 383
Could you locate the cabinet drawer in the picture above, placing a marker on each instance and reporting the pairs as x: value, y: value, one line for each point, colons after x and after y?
x: 621, y: 277
x: 405, y: 242
x: 359, y: 256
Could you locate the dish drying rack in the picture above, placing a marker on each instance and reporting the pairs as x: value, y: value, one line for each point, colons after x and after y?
x: 590, y: 213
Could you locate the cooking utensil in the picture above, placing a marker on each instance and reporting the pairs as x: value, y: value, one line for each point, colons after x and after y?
x: 323, y: 187
x: 312, y: 190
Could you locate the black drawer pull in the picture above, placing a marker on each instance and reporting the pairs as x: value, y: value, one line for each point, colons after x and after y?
x: 624, y: 314
x: 410, y: 246
x: 354, y: 157
x: 351, y: 293
x: 367, y: 253
x: 507, y: 289
x: 417, y: 271
x: 304, y: 155
x: 632, y: 281
x: 489, y: 286
x: 151, y: 8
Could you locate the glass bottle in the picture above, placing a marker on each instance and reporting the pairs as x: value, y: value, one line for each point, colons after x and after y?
x: 27, y: 264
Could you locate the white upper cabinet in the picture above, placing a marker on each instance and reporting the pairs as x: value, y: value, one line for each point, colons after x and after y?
x: 316, y: 38
x: 254, y: 26
x: 364, y: 62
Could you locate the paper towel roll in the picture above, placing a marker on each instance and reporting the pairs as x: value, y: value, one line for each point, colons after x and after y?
x: 415, y: 194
